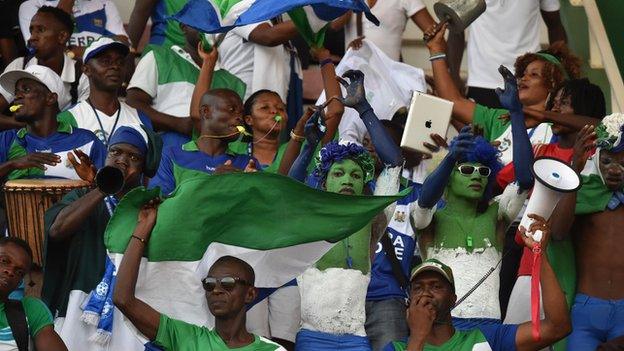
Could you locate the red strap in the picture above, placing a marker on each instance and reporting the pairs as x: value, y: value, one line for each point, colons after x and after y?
x: 535, y: 291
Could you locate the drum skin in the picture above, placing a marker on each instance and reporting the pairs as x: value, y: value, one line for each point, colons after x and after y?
x: 26, y: 203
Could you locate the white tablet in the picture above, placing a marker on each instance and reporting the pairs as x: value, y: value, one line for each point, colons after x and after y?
x: 427, y: 115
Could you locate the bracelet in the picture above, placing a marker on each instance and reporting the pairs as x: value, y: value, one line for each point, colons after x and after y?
x: 296, y: 137
x: 326, y: 61
x: 143, y: 241
x: 437, y: 56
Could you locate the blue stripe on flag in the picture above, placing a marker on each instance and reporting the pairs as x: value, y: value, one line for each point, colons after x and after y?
x: 201, y: 15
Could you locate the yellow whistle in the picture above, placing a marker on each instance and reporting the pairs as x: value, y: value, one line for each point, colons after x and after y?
x: 242, y: 130
x: 15, y: 108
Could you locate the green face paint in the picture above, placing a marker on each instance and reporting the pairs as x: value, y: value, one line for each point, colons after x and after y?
x: 467, y: 186
x: 345, y: 177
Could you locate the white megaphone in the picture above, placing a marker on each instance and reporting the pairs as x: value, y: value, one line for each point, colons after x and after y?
x: 553, y: 179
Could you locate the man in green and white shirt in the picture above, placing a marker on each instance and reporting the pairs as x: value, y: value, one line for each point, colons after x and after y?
x: 15, y: 262
x: 432, y: 297
x: 163, y: 83
x: 229, y: 288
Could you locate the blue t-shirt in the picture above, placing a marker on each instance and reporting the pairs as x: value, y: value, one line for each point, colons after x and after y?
x: 500, y: 337
x: 383, y: 284
x: 17, y: 143
x: 188, y: 156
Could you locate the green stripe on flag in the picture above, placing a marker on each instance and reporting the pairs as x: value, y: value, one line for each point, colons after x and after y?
x: 300, y: 19
x: 253, y: 210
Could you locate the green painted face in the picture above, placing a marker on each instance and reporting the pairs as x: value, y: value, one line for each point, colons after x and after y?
x: 345, y: 177
x: 467, y: 186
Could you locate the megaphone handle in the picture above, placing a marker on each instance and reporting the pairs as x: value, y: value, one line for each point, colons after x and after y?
x: 438, y: 28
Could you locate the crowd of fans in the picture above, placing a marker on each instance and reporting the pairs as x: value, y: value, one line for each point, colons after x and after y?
x: 446, y: 267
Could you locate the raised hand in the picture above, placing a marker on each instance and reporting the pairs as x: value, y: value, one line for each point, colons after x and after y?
x: 509, y: 97
x: 438, y: 143
x: 356, y: 96
x: 251, y: 167
x: 538, y: 232
x: 207, y: 57
x: 36, y: 160
x: 315, y: 128
x: 85, y: 168
x: 434, y: 38
x: 462, y: 143
x: 583, y: 146
x: 147, y: 218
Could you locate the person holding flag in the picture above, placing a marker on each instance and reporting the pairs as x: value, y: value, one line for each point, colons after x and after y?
x: 333, y: 292
x: 433, y: 297
x: 75, y: 259
x: 229, y: 287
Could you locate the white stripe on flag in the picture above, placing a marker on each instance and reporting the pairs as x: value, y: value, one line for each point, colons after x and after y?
x: 315, y: 23
x: 235, y: 11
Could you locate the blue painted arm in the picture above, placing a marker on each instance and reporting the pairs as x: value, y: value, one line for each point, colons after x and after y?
x: 434, y: 185
x: 522, y: 149
x: 314, y: 131
x: 388, y: 151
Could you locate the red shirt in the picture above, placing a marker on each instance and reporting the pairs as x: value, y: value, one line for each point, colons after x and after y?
x: 507, y: 175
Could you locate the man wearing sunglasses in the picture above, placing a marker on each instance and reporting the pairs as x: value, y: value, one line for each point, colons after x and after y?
x: 229, y: 288
x: 433, y: 297
x: 467, y: 233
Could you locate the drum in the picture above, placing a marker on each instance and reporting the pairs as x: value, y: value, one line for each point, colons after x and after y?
x: 26, y: 203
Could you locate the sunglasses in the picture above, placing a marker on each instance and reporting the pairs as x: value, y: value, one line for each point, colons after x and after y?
x: 468, y: 170
x: 226, y: 283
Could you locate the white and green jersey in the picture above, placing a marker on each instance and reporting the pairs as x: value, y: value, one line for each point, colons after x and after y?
x: 84, y: 115
x: 38, y: 316
x: 178, y: 335
x: 168, y: 75
x: 499, y: 337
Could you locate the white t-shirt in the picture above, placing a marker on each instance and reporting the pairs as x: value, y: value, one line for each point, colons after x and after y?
x: 68, y: 75
x: 171, y: 93
x: 507, y: 29
x: 82, y: 115
x: 94, y: 18
x: 240, y: 57
x: 393, y: 16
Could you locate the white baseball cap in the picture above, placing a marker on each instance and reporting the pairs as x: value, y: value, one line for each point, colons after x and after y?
x: 101, y: 44
x: 41, y: 74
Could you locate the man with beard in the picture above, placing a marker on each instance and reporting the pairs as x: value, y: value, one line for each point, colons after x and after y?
x: 220, y: 113
x: 432, y: 297
x: 42, y: 148
x: 593, y: 219
x: 103, y: 112
x: 75, y: 252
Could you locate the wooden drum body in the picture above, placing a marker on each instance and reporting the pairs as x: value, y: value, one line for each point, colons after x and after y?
x: 26, y: 203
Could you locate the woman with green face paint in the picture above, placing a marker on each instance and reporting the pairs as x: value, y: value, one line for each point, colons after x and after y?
x: 333, y: 293
x: 467, y: 232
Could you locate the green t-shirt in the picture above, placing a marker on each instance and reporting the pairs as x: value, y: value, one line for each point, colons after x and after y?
x: 177, y: 335
x: 488, y: 119
x: 486, y: 338
x: 38, y: 316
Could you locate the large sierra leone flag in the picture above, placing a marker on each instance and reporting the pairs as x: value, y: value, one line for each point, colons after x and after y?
x: 278, y: 225
x: 310, y: 16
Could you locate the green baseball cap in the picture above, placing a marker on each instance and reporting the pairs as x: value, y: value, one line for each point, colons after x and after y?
x: 436, y: 266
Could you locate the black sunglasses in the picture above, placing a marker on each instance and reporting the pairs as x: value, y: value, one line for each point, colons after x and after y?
x: 468, y: 170
x: 226, y: 283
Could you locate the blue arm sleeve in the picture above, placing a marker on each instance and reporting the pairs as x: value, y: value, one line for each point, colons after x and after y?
x: 522, y: 151
x: 433, y: 187
x: 299, y: 168
x: 164, y: 177
x: 501, y: 337
x: 388, y: 151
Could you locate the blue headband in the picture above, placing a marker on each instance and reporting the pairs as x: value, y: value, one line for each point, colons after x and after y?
x: 129, y: 135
